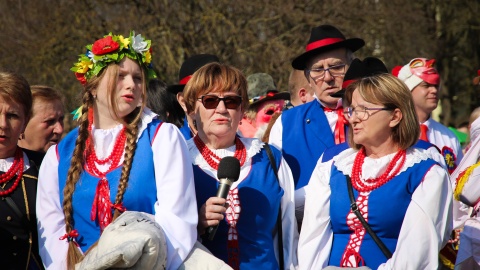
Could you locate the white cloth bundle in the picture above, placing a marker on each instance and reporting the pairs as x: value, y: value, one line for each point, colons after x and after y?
x: 134, y: 241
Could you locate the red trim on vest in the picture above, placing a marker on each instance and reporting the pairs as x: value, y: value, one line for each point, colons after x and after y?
x: 322, y: 43
x: 156, y: 131
x: 185, y: 80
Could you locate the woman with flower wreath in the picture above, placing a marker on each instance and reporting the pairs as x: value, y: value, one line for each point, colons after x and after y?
x: 119, y: 158
x: 248, y: 235
x: 382, y: 204
x: 18, y: 178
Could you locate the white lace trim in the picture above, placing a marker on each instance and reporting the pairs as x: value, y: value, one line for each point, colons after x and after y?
x: 105, y: 138
x: 374, y: 167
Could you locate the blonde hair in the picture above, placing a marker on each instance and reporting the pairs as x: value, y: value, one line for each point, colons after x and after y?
x: 388, y: 90
x: 131, y: 122
x: 215, y: 77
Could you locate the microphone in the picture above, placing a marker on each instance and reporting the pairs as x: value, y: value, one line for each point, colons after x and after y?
x: 228, y: 172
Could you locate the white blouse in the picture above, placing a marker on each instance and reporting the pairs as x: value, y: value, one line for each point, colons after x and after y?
x: 425, y: 229
x: 175, y: 208
x: 289, y: 223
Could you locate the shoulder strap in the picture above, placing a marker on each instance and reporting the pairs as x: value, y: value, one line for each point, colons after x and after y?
x: 356, y: 211
x: 279, y: 217
x: 15, y: 209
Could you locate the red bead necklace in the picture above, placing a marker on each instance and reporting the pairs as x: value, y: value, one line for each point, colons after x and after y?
x: 209, y: 156
x: 375, y: 183
x: 101, y: 207
x: 16, y: 168
x: 114, y: 157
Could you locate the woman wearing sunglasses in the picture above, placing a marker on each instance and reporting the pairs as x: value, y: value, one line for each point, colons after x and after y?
x: 248, y: 230
x: 403, y: 196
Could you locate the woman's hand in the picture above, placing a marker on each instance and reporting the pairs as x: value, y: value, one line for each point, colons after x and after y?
x: 211, y: 213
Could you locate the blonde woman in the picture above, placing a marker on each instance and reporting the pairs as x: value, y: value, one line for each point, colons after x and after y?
x: 402, y: 194
x: 119, y: 158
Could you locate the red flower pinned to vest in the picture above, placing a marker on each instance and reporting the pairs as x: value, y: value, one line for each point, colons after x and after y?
x: 450, y: 158
x: 104, y: 46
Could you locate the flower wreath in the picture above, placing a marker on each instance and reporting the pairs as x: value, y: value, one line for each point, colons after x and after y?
x: 113, y: 48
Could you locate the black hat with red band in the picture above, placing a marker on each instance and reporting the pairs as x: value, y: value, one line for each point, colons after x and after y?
x: 360, y: 69
x: 192, y: 64
x: 325, y: 38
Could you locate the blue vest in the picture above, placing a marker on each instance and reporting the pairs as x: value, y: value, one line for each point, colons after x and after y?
x: 140, y: 195
x: 387, y: 206
x: 185, y: 130
x: 260, y: 195
x: 306, y: 134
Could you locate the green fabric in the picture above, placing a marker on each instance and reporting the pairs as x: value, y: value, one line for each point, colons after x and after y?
x: 461, y: 136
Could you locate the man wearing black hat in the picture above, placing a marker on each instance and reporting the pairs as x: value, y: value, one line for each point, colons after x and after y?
x: 303, y: 133
x: 187, y: 69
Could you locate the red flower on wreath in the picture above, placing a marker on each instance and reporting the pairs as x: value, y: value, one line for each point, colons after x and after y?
x: 81, y: 78
x: 104, y: 46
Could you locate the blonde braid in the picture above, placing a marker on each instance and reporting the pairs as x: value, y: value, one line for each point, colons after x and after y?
x: 131, y: 145
x: 74, y: 172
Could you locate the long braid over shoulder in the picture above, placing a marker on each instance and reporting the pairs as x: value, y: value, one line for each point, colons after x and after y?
x: 130, y: 146
x: 76, y: 168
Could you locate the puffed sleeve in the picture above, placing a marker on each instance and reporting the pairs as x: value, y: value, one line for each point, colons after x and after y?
x: 289, y: 223
x: 427, y: 224
x: 50, y: 218
x: 275, y: 138
x: 316, y: 235
x: 176, y: 206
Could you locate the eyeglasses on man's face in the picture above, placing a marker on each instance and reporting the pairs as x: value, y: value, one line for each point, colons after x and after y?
x: 212, y: 101
x: 318, y: 74
x: 361, y: 112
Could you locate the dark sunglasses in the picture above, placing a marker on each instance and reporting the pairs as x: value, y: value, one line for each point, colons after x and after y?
x: 212, y: 101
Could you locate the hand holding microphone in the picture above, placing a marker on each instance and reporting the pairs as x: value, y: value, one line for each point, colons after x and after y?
x: 228, y: 172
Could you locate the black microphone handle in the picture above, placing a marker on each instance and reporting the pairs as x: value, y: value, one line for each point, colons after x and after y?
x: 222, y: 192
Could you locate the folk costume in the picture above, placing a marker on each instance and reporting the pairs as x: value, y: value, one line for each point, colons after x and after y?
x: 420, y: 70
x: 466, y: 203
x: 408, y: 209
x: 428, y: 148
x: 446, y: 141
x: 150, y: 189
x: 247, y: 238
x: 19, y: 238
x: 303, y: 133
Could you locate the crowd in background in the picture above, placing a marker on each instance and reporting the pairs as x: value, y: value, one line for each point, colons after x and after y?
x: 346, y: 169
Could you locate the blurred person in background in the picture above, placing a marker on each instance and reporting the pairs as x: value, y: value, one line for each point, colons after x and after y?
x: 164, y: 103
x: 45, y: 127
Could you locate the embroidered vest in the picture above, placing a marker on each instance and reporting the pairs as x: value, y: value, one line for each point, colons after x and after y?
x: 387, y: 206
x: 259, y: 195
x: 140, y: 195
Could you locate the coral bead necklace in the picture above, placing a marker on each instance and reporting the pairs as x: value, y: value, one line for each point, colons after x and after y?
x: 370, y: 184
x: 101, y: 207
x: 113, y: 158
x: 15, y: 169
x: 209, y: 156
